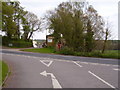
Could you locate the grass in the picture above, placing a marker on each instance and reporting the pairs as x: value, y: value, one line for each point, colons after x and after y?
x: 112, y: 54
x: 40, y: 50
x: 107, y: 54
x: 3, y: 71
x: 115, y: 54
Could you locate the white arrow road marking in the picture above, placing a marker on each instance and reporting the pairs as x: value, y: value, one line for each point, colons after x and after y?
x: 44, y: 73
x: 55, y: 82
x: 49, y: 62
x: 77, y: 64
x: 101, y: 79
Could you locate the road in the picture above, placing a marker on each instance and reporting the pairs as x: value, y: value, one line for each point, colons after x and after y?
x: 34, y: 70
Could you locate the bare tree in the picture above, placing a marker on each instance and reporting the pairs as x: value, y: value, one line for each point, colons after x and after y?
x: 107, y: 35
x: 33, y: 24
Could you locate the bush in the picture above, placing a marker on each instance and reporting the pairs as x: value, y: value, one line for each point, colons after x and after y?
x: 95, y: 54
x: 21, y: 44
x: 16, y: 43
x: 66, y: 51
x: 79, y: 54
x: 88, y: 54
x: 111, y: 54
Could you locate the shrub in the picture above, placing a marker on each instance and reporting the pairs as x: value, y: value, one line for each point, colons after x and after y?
x: 16, y: 42
x: 79, y: 53
x: 66, y: 51
x: 21, y: 44
x: 111, y: 55
x: 95, y: 54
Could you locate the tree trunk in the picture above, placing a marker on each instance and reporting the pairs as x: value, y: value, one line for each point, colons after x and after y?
x: 30, y: 35
x: 104, y: 45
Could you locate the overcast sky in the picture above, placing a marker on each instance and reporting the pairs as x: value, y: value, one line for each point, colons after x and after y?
x: 108, y: 9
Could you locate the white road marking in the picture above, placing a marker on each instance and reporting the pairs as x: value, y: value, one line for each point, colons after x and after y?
x: 105, y: 64
x: 49, y: 62
x: 33, y: 57
x: 42, y: 58
x: 116, y: 69
x: 94, y: 63
x: 45, y: 58
x: 101, y: 79
x: 115, y: 65
x: 28, y: 56
x: 17, y: 55
x: 84, y: 62
x: 97, y: 64
x: 77, y: 64
x: 62, y: 60
x: 6, y: 54
x: 55, y: 82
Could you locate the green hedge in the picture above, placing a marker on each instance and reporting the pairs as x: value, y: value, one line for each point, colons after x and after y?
x: 16, y: 43
x: 66, y: 51
x: 107, y: 54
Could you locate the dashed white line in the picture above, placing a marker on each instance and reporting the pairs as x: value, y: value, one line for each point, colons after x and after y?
x: 61, y: 60
x: 115, y: 65
x: 77, y: 64
x: 94, y: 63
x: 18, y: 55
x: 35, y: 57
x: 105, y: 64
x: 116, y: 69
x: 101, y: 79
x: 84, y: 62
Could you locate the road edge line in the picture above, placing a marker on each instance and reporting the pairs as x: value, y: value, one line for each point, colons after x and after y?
x: 101, y: 79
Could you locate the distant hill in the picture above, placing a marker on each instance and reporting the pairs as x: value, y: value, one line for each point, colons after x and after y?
x: 40, y: 40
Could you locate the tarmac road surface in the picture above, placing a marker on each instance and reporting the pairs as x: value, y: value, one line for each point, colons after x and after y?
x: 33, y: 70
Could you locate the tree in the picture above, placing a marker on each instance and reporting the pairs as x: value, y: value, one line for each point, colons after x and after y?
x: 0, y: 15
x: 67, y: 20
x: 89, y: 40
x: 12, y: 14
x: 8, y: 25
x: 107, y: 35
x: 15, y: 16
x: 78, y: 34
x: 30, y: 23
x: 18, y: 15
x: 93, y: 27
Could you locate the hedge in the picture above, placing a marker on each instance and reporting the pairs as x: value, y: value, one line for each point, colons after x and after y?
x: 16, y: 43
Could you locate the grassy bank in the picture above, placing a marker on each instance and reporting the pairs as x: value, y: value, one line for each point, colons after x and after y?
x: 107, y: 54
x: 40, y: 50
x: 3, y: 71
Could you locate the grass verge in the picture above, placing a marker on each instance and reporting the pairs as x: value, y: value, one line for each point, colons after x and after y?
x: 40, y: 50
x: 108, y: 53
x: 115, y: 54
x: 3, y: 71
